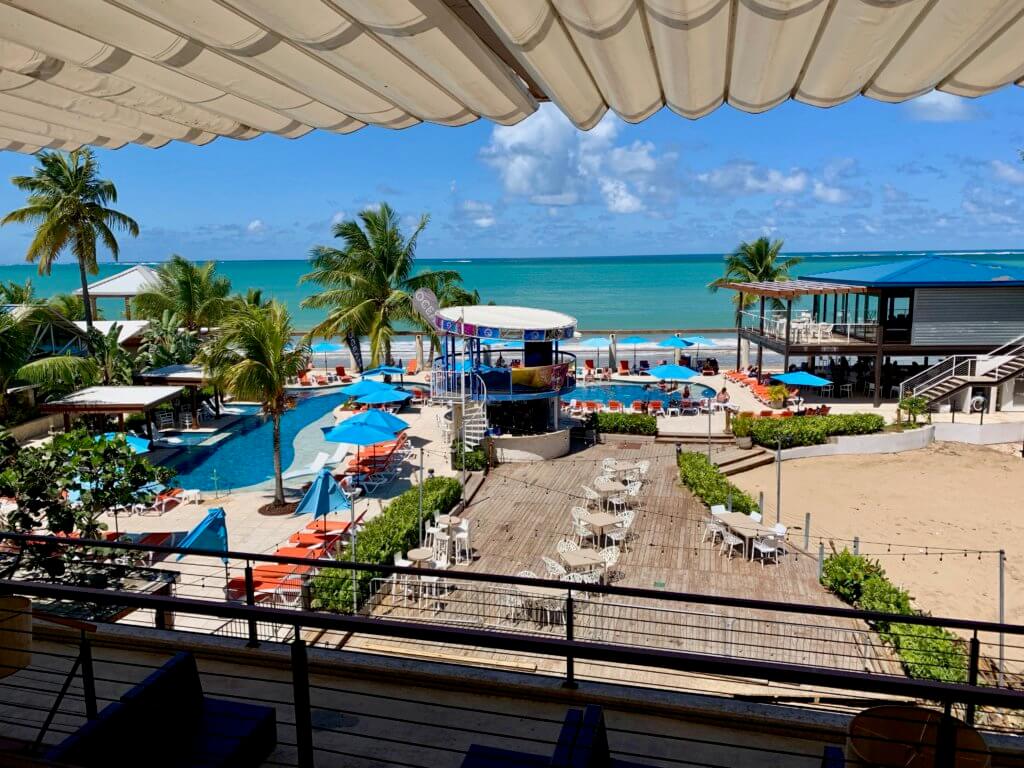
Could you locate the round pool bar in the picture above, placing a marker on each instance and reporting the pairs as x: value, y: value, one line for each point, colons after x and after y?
x: 503, y: 364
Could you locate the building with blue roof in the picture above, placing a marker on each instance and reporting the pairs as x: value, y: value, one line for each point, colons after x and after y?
x: 879, y: 326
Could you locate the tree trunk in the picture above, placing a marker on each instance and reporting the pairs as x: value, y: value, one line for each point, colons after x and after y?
x: 278, y: 480
x: 85, y: 295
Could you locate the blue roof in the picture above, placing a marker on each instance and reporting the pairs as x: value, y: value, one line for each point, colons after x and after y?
x: 941, y: 271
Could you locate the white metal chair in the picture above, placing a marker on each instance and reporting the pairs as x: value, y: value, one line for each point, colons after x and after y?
x: 400, y: 581
x: 581, y: 532
x: 765, y: 548
x: 729, y: 542
x: 566, y: 545
x: 463, y: 543
x: 592, y: 496
x: 165, y: 420
x: 555, y: 570
x: 712, y: 530
x: 431, y: 531
x: 718, y: 509
x: 756, y: 517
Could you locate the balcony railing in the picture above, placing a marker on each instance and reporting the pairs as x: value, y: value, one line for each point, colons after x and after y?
x: 503, y: 380
x: 806, y: 330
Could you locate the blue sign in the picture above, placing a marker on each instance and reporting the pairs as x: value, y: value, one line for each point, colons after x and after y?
x: 533, y: 335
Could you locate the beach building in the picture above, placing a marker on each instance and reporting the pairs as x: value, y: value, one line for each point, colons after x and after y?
x: 504, y: 375
x: 125, y: 285
x: 948, y: 330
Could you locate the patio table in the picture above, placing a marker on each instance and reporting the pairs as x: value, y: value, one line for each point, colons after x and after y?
x: 744, y: 527
x: 607, y: 487
x: 449, y: 520
x: 420, y: 555
x: 581, y: 558
x: 600, y: 522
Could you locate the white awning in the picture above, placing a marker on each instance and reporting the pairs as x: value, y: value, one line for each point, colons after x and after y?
x: 126, y: 329
x: 112, y: 399
x: 131, y: 282
x: 110, y: 72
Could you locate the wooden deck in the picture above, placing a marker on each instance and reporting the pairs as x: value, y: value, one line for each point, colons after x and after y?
x: 522, y: 511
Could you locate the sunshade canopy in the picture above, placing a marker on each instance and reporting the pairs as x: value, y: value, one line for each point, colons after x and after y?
x: 155, y: 71
x: 674, y: 342
x: 633, y: 340
x: 363, y: 387
x: 324, y: 496
x: 358, y: 434
x: 112, y: 399
x: 383, y: 396
x: 801, y: 379
x: 378, y: 419
x: 127, y: 284
x: 700, y: 341
x: 596, y: 342
x: 210, y: 533
x: 672, y: 372
x: 324, y: 347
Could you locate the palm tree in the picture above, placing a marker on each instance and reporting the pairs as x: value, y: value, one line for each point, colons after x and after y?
x: 71, y: 307
x: 254, y: 358
x: 67, y: 201
x: 754, y: 262
x: 18, y: 293
x: 15, y: 348
x: 165, y: 342
x: 368, y: 284
x: 194, y: 292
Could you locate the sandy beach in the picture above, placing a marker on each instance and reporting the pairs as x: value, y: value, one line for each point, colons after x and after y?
x: 947, y: 496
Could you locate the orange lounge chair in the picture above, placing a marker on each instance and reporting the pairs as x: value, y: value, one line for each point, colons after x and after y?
x: 656, y: 408
x: 614, y: 406
x: 638, y: 406
x: 342, y: 376
x: 623, y: 367
x: 412, y: 368
x: 588, y: 365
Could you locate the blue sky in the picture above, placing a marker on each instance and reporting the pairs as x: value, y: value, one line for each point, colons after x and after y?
x: 937, y: 173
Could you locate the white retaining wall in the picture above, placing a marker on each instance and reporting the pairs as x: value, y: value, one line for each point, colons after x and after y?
x: 981, y: 434
x: 884, y: 442
x: 511, y: 449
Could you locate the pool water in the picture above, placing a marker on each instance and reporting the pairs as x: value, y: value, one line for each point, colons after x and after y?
x: 246, y: 456
x: 627, y: 393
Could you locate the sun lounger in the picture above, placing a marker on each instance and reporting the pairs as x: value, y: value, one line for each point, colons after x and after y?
x: 623, y: 367
x: 315, y: 466
x: 342, y: 375
x: 656, y: 408
x: 588, y: 365
x: 614, y: 406
x: 638, y: 406
x: 412, y: 368
x: 644, y: 367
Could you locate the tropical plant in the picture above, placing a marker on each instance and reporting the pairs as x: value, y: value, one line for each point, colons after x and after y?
x: 253, y: 357
x: 194, y: 292
x: 754, y: 262
x: 165, y: 342
x: 15, y: 348
x: 67, y: 201
x: 367, y: 285
x: 18, y: 293
x: 107, y: 363
x: 252, y: 297
x: 914, y: 406
x: 102, y: 474
x: 71, y: 307
x: 708, y: 484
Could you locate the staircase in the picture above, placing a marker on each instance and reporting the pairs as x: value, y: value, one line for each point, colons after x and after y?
x: 448, y: 386
x: 949, y: 376
x: 474, y: 421
x: 741, y: 460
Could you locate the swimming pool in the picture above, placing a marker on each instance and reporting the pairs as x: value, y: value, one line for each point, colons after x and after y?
x: 245, y: 457
x: 627, y: 393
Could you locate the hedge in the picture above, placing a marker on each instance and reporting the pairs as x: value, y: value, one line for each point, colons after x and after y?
x: 627, y: 423
x: 709, y: 484
x: 396, y: 529
x: 927, y: 652
x: 805, y: 430
x: 475, y: 458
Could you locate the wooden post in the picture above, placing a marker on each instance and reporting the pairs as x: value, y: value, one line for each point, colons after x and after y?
x: 67, y: 421
x: 878, y: 368
x: 789, y: 317
x: 195, y: 406
x: 120, y: 423
x: 739, y: 327
x: 127, y: 307
x: 760, y: 345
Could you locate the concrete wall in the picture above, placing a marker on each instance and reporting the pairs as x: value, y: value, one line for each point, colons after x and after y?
x: 512, y: 449
x: 32, y: 430
x: 884, y: 442
x: 981, y: 434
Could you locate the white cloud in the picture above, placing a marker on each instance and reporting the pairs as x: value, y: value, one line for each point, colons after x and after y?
x: 829, y: 194
x: 548, y: 162
x: 255, y: 226
x: 749, y: 179
x: 939, y: 107
x: 618, y: 198
x: 480, y: 213
x: 338, y: 217
x: 1006, y: 172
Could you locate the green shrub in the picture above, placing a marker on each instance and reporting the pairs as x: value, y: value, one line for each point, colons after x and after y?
x: 845, y: 573
x: 475, y: 459
x: 396, y: 529
x: 710, y: 485
x: 627, y: 423
x: 807, y: 430
x: 742, y: 425
x: 931, y: 653
x: 777, y: 393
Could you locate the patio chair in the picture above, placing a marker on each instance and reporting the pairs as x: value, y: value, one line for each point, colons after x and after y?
x: 718, y: 509
x: 581, y: 532
x: 566, y: 545
x: 592, y: 496
x: 712, y: 530
x: 644, y: 368
x: 756, y: 517
x: 623, y: 367
x: 555, y: 570
x: 656, y: 408
x: 575, y: 408
x: 638, y: 406
x: 765, y: 548
x: 463, y: 542
x: 610, y: 555
x: 614, y: 406
x: 165, y: 420
x: 729, y: 542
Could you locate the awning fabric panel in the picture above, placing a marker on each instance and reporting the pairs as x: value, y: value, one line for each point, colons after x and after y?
x: 150, y: 72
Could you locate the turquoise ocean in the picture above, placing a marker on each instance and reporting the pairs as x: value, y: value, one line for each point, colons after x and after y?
x: 603, y: 293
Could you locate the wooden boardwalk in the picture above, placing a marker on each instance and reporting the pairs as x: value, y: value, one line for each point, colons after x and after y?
x: 523, y: 510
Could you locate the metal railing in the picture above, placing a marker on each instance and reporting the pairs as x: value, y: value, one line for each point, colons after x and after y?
x: 809, y: 637
x: 446, y: 383
x: 325, y: 715
x: 809, y: 331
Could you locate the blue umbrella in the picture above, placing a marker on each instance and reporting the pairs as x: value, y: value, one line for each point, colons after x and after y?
x: 597, y: 342
x: 136, y: 443
x: 634, y: 340
x: 672, y: 372
x: 379, y: 420
x: 384, y: 396
x: 674, y: 342
x: 801, y: 379
x: 700, y: 341
x: 211, y: 533
x: 364, y: 387
x: 392, y: 370
x: 358, y: 434
x: 326, y: 347
x: 324, y: 496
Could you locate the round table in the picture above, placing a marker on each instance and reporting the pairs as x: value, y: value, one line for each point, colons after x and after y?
x: 420, y: 555
x: 452, y: 521
x: 900, y: 736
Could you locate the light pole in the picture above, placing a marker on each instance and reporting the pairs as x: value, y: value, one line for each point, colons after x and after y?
x: 709, y: 430
x: 421, y: 496
x: 778, y: 482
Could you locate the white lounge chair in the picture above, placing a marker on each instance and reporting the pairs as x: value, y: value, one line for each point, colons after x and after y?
x: 318, y: 463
